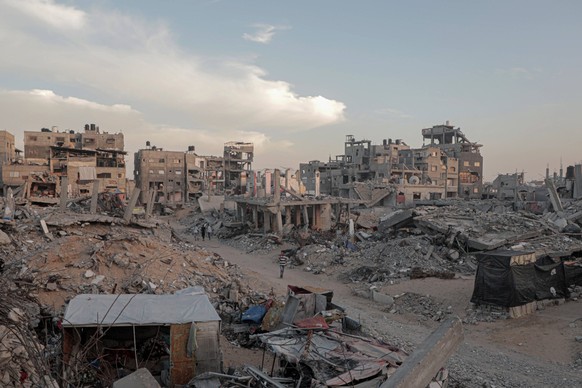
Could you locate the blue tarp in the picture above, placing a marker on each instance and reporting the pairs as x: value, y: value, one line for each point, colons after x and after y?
x: 254, y: 314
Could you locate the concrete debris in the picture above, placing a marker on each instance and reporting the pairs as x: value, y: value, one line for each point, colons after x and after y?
x: 23, y: 359
x: 4, y: 238
x: 141, y: 378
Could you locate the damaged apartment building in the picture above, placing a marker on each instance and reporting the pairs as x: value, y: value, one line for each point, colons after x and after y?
x: 448, y: 166
x: 55, y: 160
x: 177, y: 177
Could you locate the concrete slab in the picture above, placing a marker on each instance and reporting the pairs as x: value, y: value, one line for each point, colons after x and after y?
x: 141, y: 378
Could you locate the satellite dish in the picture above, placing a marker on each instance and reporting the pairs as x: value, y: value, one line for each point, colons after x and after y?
x: 414, y: 180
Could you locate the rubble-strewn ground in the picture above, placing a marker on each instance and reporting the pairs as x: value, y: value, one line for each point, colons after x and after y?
x: 425, y: 275
x: 533, y: 351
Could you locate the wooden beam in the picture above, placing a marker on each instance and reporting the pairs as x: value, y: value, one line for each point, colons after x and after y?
x: 429, y: 357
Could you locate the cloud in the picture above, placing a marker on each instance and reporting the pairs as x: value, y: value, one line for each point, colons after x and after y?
x: 264, y: 33
x: 116, y: 57
x: 47, y: 11
x: 395, y: 113
x: 24, y: 110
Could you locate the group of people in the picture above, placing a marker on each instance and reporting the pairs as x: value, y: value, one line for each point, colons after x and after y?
x: 204, y: 230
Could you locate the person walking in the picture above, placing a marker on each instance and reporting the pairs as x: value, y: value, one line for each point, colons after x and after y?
x: 195, y: 232
x: 283, y: 260
x: 203, y: 231
x: 209, y: 231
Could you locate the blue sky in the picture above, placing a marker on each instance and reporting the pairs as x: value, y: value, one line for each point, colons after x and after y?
x: 296, y: 77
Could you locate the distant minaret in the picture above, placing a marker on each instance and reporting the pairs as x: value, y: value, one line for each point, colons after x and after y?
x: 548, y: 171
x: 561, y: 169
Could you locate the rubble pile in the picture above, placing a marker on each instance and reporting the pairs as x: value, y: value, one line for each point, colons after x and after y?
x: 85, y: 253
x: 424, y: 306
x: 112, y: 259
x: 484, y: 313
x: 252, y: 242
x: 22, y: 356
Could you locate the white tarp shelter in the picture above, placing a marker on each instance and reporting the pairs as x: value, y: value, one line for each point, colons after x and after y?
x: 138, y: 310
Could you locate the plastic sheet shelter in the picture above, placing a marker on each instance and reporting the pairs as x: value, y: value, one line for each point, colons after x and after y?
x: 501, y: 281
x: 511, y: 278
x: 103, y: 327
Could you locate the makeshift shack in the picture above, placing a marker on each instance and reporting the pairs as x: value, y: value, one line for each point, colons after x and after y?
x: 331, y: 358
x: 107, y: 336
x: 515, y: 280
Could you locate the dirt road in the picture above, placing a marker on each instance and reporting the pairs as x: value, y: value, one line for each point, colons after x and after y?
x: 534, y: 351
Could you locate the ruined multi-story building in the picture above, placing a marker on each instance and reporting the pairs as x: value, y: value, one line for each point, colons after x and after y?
x: 160, y: 172
x: 7, y: 147
x: 362, y: 161
x: 456, y: 145
x: 238, y: 159
x: 83, y: 158
x: 178, y: 177
x: 448, y: 167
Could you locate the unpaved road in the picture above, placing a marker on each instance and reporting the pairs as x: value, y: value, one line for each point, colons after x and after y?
x: 534, y: 351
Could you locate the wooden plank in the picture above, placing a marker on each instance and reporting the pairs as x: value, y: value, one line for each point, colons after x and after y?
x: 424, y: 363
x: 183, y: 367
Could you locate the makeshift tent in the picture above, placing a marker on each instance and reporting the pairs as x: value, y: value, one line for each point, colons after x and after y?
x: 188, y: 321
x: 573, y: 274
x: 500, y: 283
x: 511, y: 278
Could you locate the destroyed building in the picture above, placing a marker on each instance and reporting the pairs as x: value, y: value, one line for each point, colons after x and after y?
x: 275, y: 202
x: 162, y: 173
x: 55, y: 161
x: 456, y: 145
x: 7, y: 147
x: 448, y: 167
x: 177, y: 177
x: 238, y: 159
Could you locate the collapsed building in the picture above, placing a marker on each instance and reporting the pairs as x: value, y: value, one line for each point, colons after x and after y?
x: 449, y: 166
x: 274, y: 203
x: 55, y: 162
x: 177, y: 177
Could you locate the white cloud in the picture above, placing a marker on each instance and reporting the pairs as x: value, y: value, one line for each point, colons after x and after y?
x: 264, y: 33
x: 23, y: 110
x: 50, y: 96
x: 120, y: 58
x: 47, y: 11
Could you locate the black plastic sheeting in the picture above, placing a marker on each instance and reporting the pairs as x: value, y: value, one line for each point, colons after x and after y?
x: 573, y: 275
x: 551, y: 281
x: 501, y: 284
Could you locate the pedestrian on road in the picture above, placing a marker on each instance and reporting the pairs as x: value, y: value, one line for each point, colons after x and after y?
x: 209, y: 231
x: 196, y: 233
x: 203, y: 231
x: 283, y: 260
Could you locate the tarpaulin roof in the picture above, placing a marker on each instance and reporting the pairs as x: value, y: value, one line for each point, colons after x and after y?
x: 138, y: 309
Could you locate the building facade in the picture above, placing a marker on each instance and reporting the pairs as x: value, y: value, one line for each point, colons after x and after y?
x: 50, y: 155
x: 455, y: 144
x: 449, y: 166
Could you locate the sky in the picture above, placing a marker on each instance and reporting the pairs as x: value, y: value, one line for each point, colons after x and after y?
x: 296, y: 77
